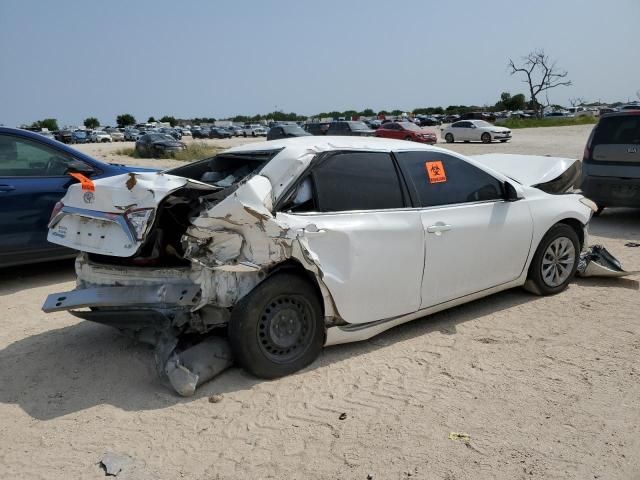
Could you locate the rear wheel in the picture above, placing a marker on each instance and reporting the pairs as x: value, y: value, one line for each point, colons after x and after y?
x: 448, y: 138
x: 278, y: 328
x: 485, y: 137
x: 555, y: 261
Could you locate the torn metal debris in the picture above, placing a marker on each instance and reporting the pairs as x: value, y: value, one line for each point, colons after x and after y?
x: 596, y: 261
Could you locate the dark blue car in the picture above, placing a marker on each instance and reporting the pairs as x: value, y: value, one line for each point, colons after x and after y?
x: 34, y: 175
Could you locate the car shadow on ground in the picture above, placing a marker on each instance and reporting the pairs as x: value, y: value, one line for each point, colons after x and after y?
x: 617, y: 223
x: 74, y: 368
x: 14, y: 279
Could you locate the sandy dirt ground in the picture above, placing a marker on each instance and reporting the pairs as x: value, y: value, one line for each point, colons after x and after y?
x: 509, y: 387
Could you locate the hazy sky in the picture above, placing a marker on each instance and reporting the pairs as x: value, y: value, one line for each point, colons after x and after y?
x: 73, y: 59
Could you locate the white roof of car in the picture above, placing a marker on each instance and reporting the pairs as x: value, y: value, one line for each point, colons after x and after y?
x: 300, y: 151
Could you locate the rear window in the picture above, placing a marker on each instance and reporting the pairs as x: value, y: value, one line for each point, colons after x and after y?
x: 226, y: 169
x: 618, y: 130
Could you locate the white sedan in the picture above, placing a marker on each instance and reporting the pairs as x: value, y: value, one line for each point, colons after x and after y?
x: 100, y: 136
x: 311, y: 241
x: 475, y: 130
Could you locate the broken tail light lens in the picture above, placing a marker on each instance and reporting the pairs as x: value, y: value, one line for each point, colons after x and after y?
x: 139, y: 219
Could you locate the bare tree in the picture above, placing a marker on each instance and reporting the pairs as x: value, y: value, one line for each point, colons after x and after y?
x: 577, y: 101
x: 541, y: 74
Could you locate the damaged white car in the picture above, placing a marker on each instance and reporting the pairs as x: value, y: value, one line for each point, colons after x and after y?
x: 313, y: 241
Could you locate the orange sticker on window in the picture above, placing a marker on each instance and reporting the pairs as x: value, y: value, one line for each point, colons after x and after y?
x: 86, y: 183
x: 435, y: 172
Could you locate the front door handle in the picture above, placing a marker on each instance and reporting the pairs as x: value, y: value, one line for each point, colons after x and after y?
x: 438, y: 228
x: 7, y: 188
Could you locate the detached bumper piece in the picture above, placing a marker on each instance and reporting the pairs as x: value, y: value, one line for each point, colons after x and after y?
x: 158, y: 315
x: 596, y: 261
x: 179, y: 295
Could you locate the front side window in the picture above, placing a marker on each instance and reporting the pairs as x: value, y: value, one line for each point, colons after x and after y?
x: 442, y: 179
x: 20, y: 157
x: 349, y: 181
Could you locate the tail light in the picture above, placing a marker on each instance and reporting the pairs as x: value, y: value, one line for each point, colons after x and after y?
x: 56, y: 210
x: 139, y: 220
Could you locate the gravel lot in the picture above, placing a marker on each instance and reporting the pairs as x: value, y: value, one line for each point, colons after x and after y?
x: 543, y: 387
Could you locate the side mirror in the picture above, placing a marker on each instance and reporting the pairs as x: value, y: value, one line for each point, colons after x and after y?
x: 510, y: 192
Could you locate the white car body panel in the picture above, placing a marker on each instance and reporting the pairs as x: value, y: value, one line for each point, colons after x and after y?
x: 485, y: 244
x: 368, y: 265
x: 372, y: 261
x: 88, y: 232
x: 526, y: 169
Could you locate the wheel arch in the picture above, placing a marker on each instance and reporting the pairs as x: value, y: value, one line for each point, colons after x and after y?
x: 577, y: 226
x: 293, y: 266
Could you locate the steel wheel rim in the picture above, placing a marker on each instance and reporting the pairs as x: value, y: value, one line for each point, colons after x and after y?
x: 558, y: 261
x: 285, y: 328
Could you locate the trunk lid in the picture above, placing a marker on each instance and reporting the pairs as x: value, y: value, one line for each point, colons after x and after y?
x: 111, y: 216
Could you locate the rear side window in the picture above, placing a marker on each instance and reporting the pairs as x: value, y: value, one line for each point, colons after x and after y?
x: 441, y: 179
x: 618, y: 129
x: 357, y: 181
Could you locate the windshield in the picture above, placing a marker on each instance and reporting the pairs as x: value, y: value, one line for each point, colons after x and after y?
x: 158, y: 137
x: 623, y: 129
x: 482, y: 123
x: 358, y: 126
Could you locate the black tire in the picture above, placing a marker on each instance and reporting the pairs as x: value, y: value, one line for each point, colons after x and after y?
x: 449, y: 138
x: 258, y: 340
x: 408, y: 138
x: 245, y: 135
x: 485, y: 137
x: 535, y: 281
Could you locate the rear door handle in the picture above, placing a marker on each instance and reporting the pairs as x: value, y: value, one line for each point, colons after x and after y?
x: 7, y: 188
x: 438, y: 228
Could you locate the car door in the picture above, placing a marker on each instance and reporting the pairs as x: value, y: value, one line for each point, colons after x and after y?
x: 459, y: 131
x: 474, y: 239
x: 353, y: 213
x: 32, y: 179
x: 474, y: 132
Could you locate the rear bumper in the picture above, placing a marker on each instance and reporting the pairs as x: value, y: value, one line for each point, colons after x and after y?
x: 611, y: 191
x: 153, y: 297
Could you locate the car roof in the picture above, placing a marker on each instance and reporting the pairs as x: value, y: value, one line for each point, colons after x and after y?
x: 296, y: 154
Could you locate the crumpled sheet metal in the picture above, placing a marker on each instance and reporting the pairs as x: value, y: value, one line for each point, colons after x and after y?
x: 596, y: 261
x: 250, y: 239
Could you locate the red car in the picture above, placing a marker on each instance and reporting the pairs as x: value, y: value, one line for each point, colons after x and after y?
x: 406, y: 131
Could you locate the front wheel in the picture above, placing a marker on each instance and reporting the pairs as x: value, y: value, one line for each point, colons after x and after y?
x: 486, y: 138
x: 448, y: 138
x: 408, y: 138
x: 555, y: 261
x: 278, y: 328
